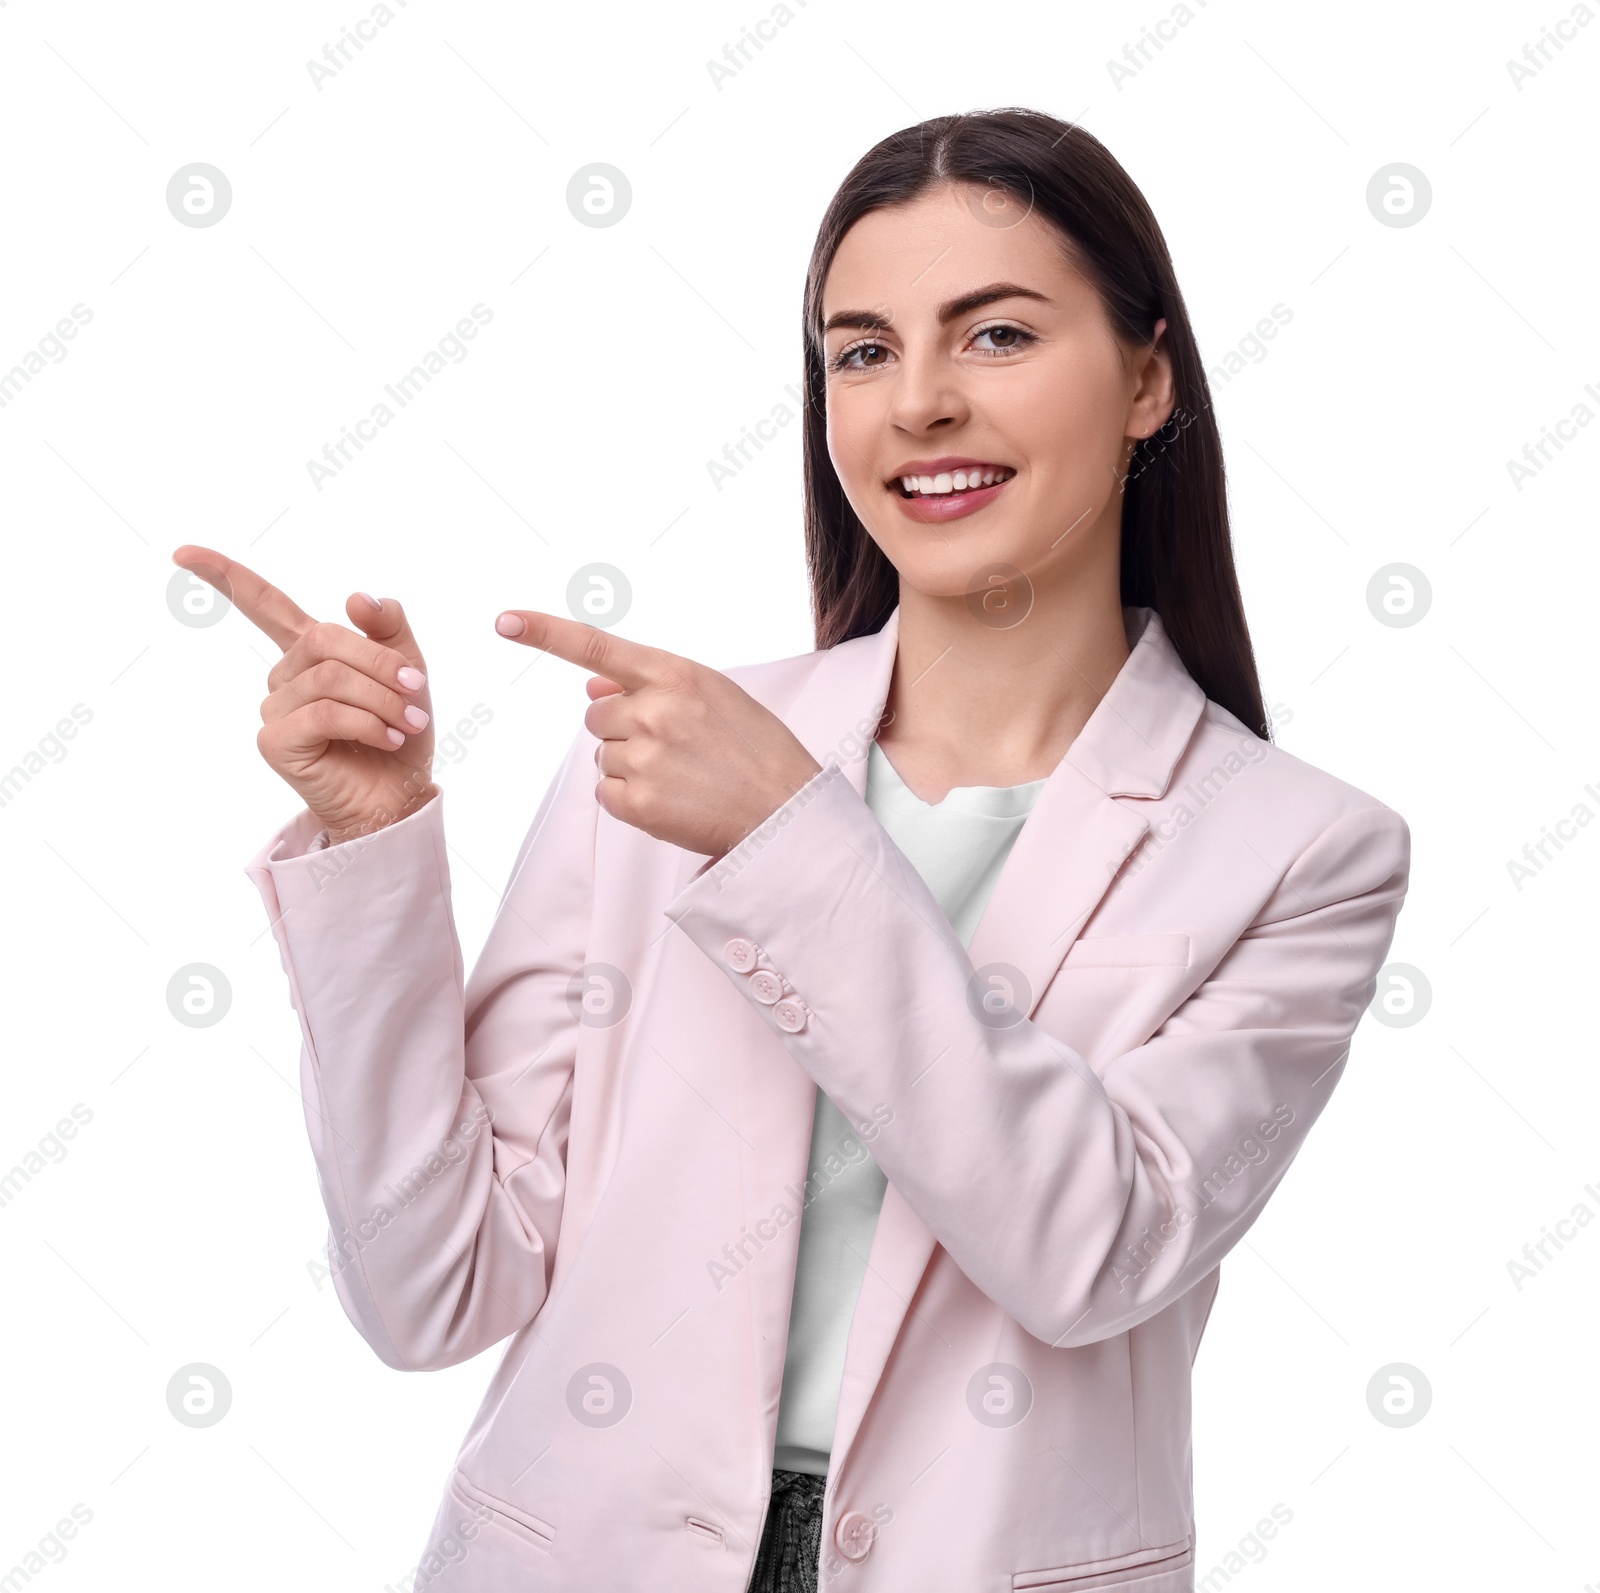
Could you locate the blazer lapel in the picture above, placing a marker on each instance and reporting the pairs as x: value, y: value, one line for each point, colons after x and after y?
x: 1075, y: 840
x: 1079, y: 834
x: 835, y: 716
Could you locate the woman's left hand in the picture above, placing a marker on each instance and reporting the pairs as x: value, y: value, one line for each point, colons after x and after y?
x: 685, y: 755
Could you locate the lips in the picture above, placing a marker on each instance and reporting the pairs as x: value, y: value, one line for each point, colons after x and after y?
x: 934, y: 490
x: 928, y: 478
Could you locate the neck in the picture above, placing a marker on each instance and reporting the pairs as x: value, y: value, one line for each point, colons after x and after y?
x: 977, y: 704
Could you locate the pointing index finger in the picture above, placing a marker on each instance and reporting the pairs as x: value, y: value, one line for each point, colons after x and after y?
x: 271, y: 611
x: 630, y: 664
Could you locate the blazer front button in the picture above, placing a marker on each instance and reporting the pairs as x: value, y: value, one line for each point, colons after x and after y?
x: 741, y: 954
x: 766, y: 987
x: 790, y: 1016
x: 854, y: 1535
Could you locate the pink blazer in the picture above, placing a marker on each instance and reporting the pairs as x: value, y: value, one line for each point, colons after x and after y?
x: 596, y: 1146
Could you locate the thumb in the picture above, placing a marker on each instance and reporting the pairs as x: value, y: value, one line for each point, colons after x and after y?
x: 384, y: 620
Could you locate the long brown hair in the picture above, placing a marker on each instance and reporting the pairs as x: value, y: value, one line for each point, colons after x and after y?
x: 1177, y: 555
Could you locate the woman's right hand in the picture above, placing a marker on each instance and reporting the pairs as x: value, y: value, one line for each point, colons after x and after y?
x: 339, y: 722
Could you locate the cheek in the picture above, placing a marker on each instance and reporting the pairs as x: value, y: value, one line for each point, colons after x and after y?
x: 1072, y: 437
x: 853, y: 422
x: 1074, y: 410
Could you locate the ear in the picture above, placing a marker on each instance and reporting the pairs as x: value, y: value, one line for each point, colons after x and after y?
x: 1155, y: 396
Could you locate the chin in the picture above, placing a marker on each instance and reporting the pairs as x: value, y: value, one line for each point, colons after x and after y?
x: 958, y: 571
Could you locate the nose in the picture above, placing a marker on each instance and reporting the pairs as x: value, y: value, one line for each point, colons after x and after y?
x: 928, y: 395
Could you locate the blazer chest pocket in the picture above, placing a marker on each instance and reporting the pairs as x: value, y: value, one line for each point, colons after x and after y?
x: 1128, y: 951
x: 512, y: 1517
x: 1166, y: 1568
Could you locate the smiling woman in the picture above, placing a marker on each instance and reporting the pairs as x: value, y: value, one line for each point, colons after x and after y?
x: 1011, y: 276
x: 918, y: 892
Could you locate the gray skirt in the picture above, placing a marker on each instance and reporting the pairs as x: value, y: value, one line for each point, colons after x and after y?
x: 791, y: 1539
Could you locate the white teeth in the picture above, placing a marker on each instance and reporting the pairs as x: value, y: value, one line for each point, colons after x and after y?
x: 957, y: 480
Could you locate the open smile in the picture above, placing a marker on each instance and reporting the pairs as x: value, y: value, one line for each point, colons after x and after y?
x: 946, y: 489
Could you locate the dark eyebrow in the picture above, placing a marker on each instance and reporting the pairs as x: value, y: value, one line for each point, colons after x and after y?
x: 872, y: 321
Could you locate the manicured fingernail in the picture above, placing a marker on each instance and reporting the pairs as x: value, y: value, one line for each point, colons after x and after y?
x: 511, y: 625
x: 411, y: 679
x: 376, y: 602
x: 415, y: 717
x: 398, y: 737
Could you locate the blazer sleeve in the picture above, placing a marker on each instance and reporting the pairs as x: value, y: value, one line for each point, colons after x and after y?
x: 1081, y: 1202
x: 437, y: 1108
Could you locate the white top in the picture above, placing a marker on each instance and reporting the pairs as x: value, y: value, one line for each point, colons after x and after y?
x: 958, y: 846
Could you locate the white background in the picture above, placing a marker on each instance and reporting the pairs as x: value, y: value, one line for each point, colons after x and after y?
x: 429, y: 175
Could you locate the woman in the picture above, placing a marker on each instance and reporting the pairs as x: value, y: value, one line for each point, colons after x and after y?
x: 876, y: 1051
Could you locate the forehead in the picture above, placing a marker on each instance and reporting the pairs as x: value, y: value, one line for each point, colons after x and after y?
x: 943, y: 242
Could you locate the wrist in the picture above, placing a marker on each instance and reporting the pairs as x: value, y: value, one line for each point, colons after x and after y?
x: 796, y: 778
x: 339, y: 830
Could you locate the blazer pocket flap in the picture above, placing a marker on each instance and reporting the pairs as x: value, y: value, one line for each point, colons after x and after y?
x: 509, y: 1515
x: 1129, y: 951
x: 1154, y: 1570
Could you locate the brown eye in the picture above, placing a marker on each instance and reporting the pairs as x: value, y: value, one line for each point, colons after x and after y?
x: 1003, y: 339
x: 847, y: 359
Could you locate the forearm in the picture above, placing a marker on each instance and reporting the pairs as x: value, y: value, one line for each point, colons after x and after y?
x: 1079, y: 1200
x: 432, y: 1255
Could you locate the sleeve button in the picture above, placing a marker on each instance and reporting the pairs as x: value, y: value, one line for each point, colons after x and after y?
x: 740, y: 953
x: 789, y: 1015
x: 766, y: 987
